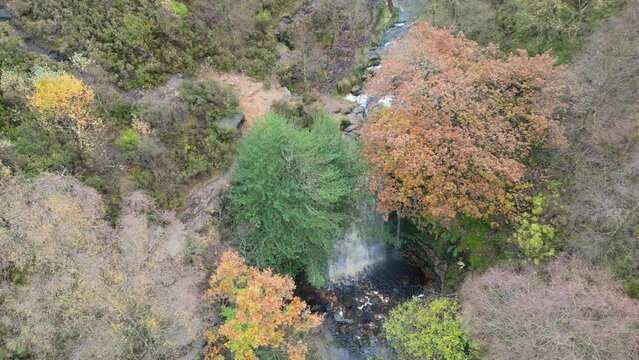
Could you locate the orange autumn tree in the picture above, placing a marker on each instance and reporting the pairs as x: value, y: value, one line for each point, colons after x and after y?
x: 260, y: 311
x: 463, y: 122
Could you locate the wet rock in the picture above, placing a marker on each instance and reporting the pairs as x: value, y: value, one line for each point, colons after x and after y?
x: 234, y: 121
x: 338, y: 317
x: 5, y: 15
x: 356, y: 89
x: 350, y: 128
x: 374, y: 58
x: 355, y: 118
x: 402, y: 17
x: 347, y: 108
x: 367, y: 317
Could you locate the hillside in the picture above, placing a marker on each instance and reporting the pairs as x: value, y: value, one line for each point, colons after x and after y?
x: 319, y: 179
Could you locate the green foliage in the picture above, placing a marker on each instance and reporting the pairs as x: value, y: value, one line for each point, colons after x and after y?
x: 420, y: 330
x: 208, y: 101
x: 189, y: 146
x: 178, y: 7
x: 533, y: 237
x: 12, y: 51
x: 294, y: 110
x: 263, y: 19
x: 34, y: 150
x: 141, y: 42
x: 128, y: 141
x: 557, y: 26
x: 295, y: 191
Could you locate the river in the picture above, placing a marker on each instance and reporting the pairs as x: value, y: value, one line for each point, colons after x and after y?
x: 368, y: 276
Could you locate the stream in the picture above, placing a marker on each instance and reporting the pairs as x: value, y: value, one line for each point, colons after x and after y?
x: 368, y: 276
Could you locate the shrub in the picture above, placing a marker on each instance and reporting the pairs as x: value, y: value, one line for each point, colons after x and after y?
x: 141, y: 42
x: 566, y: 310
x: 294, y: 191
x: 62, y: 99
x: 35, y: 150
x: 208, y: 101
x: 600, y: 165
x: 428, y: 330
x: 128, y: 141
x: 556, y: 26
x: 533, y: 237
x: 176, y: 7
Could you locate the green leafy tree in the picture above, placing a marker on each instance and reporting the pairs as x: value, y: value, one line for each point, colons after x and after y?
x: 419, y: 330
x: 295, y: 190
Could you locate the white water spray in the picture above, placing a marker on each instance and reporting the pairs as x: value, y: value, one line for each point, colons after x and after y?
x: 354, y: 254
x: 359, y: 249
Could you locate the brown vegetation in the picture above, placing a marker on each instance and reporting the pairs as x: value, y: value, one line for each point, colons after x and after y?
x: 463, y: 124
x: 602, y: 163
x: 72, y: 286
x: 566, y: 311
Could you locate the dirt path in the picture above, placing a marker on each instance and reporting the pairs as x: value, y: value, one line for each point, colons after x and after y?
x: 255, y: 98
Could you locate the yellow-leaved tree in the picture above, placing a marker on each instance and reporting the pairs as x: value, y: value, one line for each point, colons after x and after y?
x: 62, y: 99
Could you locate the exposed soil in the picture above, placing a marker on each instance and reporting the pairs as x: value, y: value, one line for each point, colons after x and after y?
x: 255, y: 97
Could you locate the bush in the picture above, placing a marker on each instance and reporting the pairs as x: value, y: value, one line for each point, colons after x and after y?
x: 533, y: 237
x: 600, y: 166
x: 208, y: 101
x: 180, y: 148
x: 34, y: 150
x: 294, y: 191
x: 556, y: 26
x: 128, y: 141
x: 566, y: 310
x: 420, y: 330
x: 142, y: 42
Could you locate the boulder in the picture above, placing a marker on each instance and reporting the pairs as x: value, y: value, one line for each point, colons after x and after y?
x: 356, y: 89
x: 286, y: 20
x: 4, y: 15
x: 234, y: 121
x: 347, y: 108
x: 350, y: 128
x: 374, y: 58
x: 355, y: 118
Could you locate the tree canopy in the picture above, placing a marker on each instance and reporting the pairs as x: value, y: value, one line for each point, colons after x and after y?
x: 463, y: 124
x: 260, y: 311
x: 295, y: 190
x: 428, y: 330
x: 569, y: 310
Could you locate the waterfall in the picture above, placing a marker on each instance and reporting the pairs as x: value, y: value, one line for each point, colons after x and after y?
x: 359, y: 249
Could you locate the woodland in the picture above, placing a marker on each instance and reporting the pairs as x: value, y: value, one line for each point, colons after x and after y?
x: 177, y: 177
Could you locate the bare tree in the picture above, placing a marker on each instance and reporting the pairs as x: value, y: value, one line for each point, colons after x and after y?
x: 567, y: 310
x: 75, y: 287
